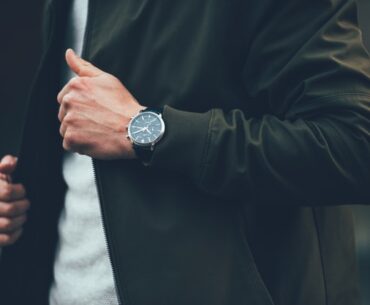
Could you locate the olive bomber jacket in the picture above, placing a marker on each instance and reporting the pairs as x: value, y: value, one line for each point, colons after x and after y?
x: 267, y: 112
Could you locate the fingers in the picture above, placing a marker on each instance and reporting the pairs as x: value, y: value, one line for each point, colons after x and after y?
x: 12, y: 218
x: 80, y: 66
x: 7, y: 239
x: 13, y: 205
x: 74, y: 92
x: 11, y: 192
x: 72, y: 101
x: 62, y: 113
x: 63, y: 92
x: 8, y: 164
x: 9, y: 159
x: 14, y: 209
x: 6, y: 178
x: 63, y: 128
x: 9, y: 225
x: 74, y: 84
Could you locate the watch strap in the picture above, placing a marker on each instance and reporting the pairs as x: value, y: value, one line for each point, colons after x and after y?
x: 158, y: 110
x: 143, y: 153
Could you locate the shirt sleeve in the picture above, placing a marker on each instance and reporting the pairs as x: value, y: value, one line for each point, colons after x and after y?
x: 312, y: 145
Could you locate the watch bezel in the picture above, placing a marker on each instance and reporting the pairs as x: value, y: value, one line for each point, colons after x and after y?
x: 150, y: 144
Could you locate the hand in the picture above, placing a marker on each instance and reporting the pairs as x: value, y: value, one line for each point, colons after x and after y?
x: 13, y: 203
x: 95, y: 109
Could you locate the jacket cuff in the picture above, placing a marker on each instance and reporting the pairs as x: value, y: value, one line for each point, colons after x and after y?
x: 184, y: 145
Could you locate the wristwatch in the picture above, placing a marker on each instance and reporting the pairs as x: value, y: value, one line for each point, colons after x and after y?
x: 145, y: 130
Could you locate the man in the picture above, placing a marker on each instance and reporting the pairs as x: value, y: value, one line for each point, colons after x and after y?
x: 266, y: 112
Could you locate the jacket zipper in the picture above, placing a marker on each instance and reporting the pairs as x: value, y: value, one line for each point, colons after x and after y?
x: 96, y: 178
x: 106, y: 234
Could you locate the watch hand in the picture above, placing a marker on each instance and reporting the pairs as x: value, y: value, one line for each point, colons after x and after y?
x: 140, y: 130
x: 151, y: 121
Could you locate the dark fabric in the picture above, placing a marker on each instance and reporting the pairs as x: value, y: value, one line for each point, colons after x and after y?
x: 267, y: 111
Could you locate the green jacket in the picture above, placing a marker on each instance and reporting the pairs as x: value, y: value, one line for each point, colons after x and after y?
x: 267, y: 112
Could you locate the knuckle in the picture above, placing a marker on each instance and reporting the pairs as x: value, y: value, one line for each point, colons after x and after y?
x: 6, y: 192
x: 67, y: 101
x: 75, y: 83
x: 11, y: 210
x: 5, y: 223
x: 66, y: 144
x: 69, y: 118
x: 70, y: 140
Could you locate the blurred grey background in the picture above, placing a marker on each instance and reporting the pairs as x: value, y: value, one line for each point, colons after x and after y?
x: 20, y: 52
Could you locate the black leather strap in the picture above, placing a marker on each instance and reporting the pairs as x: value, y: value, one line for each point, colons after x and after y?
x: 143, y: 153
x: 158, y: 110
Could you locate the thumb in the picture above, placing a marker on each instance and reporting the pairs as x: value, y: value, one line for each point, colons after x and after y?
x: 80, y: 66
x: 8, y: 164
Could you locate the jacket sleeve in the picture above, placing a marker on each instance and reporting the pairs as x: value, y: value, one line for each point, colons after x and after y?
x: 312, y: 146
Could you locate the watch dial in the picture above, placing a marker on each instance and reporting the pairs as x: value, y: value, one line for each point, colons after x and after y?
x: 146, y: 128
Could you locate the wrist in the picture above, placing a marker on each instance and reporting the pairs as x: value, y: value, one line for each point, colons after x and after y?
x: 134, y: 110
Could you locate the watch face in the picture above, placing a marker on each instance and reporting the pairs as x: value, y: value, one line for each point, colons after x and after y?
x: 146, y: 128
